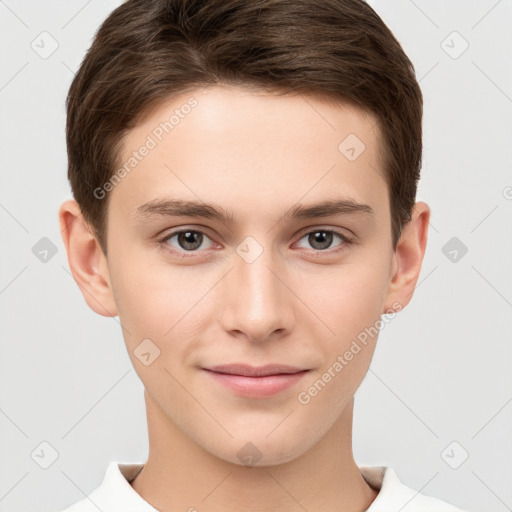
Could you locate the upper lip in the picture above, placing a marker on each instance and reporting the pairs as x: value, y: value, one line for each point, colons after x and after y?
x: 255, y: 371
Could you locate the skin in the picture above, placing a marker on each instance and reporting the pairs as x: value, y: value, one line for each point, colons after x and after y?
x: 256, y: 155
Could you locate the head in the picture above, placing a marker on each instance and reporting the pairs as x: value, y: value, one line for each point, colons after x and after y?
x: 295, y: 129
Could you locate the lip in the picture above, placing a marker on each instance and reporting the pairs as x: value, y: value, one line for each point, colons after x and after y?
x: 255, y: 371
x: 256, y: 381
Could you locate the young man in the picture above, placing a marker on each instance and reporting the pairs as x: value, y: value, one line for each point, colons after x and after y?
x: 244, y: 175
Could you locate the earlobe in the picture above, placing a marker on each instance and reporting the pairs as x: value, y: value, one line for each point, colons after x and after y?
x: 408, y: 258
x: 86, y: 260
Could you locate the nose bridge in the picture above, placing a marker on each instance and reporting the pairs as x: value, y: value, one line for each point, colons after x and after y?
x: 257, y: 301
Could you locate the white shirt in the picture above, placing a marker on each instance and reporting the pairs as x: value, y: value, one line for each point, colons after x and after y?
x: 115, y: 494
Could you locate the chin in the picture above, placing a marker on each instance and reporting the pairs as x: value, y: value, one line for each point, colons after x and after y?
x: 258, y: 451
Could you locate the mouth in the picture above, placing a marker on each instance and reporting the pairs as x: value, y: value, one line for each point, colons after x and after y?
x: 256, y: 382
x: 246, y: 370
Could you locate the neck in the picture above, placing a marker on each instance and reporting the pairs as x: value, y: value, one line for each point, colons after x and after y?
x: 181, y: 475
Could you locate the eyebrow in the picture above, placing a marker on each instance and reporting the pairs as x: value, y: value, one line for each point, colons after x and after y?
x: 182, y: 208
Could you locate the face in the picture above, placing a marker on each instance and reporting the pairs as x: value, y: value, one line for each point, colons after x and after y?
x: 285, y: 259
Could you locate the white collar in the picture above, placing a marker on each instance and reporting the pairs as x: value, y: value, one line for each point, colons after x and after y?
x: 115, y: 494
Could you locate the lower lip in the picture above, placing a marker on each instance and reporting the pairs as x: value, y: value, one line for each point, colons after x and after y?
x: 258, y: 386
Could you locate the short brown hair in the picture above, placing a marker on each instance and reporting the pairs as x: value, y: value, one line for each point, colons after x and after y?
x: 147, y: 50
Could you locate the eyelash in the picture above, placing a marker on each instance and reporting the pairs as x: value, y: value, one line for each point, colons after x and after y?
x: 347, y: 241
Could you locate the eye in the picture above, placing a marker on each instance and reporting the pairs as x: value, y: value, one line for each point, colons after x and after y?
x: 192, y: 240
x: 186, y: 240
x: 322, y: 239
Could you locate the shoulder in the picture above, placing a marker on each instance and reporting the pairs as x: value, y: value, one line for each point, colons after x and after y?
x: 394, y: 495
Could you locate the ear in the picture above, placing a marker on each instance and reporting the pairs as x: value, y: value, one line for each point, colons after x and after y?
x: 86, y: 260
x: 407, y: 259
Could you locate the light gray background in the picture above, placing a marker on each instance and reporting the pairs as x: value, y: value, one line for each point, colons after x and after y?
x: 442, y: 369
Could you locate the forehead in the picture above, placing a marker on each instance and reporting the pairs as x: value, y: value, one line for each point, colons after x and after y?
x: 238, y: 147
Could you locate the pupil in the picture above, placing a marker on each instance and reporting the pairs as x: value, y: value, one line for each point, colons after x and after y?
x: 189, y: 240
x: 323, y: 238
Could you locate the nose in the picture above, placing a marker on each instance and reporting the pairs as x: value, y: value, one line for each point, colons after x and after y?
x: 257, y: 301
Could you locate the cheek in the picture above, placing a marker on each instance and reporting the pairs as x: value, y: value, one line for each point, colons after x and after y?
x: 348, y: 301
x: 351, y: 309
x: 345, y: 299
x: 153, y: 302
x: 164, y: 303
x: 150, y: 299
